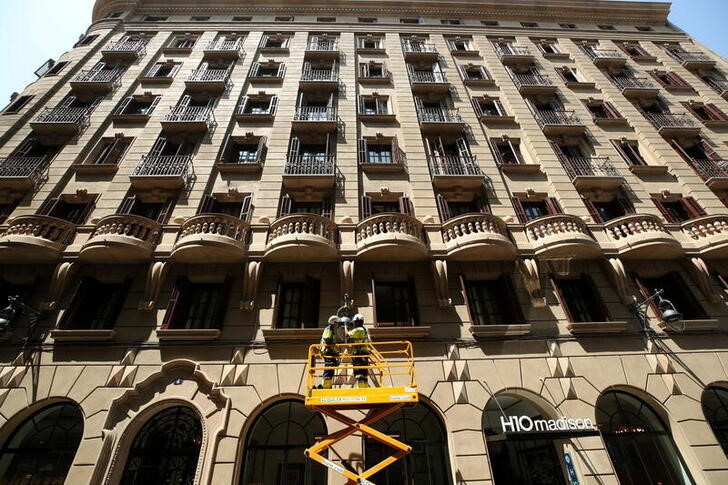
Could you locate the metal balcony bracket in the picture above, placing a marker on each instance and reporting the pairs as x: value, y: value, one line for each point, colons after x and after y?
x: 62, y: 275
x: 614, y: 269
x: 250, y: 285
x: 155, y: 278
x: 700, y: 275
x: 439, y: 273
x: 532, y: 281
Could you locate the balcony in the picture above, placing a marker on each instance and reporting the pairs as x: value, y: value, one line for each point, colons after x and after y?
x: 304, y: 171
x: 162, y: 171
x: 531, y: 83
x: 380, y: 76
x: 320, y: 48
x: 513, y: 54
x: 449, y: 171
x: 211, y: 238
x: 125, y: 50
x: 707, y: 235
x: 558, y: 122
x: 227, y: 49
x: 314, y: 79
x: 22, y: 173
x: 720, y: 86
x: 592, y: 173
x: 122, y: 238
x: 213, y: 81
x: 390, y: 237
x: 439, y: 120
x: 561, y: 236
x: 634, y: 86
x: 606, y: 57
x: 429, y: 82
x: 35, y: 239
x: 477, y: 237
x: 693, y: 60
x: 303, y: 237
x: 189, y: 119
x: 713, y: 172
x: 640, y: 236
x: 419, y: 51
x: 61, y: 121
x: 318, y: 119
x: 97, y: 82
x: 673, y: 124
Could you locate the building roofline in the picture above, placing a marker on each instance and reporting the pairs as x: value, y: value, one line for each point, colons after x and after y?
x: 602, y: 10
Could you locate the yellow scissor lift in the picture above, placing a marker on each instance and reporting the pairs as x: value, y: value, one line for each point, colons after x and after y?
x: 392, y: 386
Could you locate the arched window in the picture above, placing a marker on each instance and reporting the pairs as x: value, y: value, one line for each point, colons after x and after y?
x: 639, y: 444
x: 715, y: 408
x: 166, y: 449
x: 43, y: 446
x: 427, y: 464
x: 520, y: 459
x: 275, y: 445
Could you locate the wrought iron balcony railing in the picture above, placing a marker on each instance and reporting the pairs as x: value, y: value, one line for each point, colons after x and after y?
x: 427, y: 77
x: 18, y: 168
x: 589, y: 167
x: 504, y: 50
x: 439, y: 115
x: 415, y: 47
x: 99, y: 76
x: 556, y: 117
x: 310, y: 165
x: 629, y: 82
x: 224, y: 45
x: 191, y: 114
x: 690, y: 56
x: 323, y: 45
x: 126, y: 45
x: 597, y: 54
x: 78, y: 116
x: 454, y: 165
x: 709, y: 169
x: 209, y: 75
x: 163, y: 166
x: 670, y: 120
x: 320, y: 75
x: 315, y: 113
x: 719, y: 85
x: 531, y: 80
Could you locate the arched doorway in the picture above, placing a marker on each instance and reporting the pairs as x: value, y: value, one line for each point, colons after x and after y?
x: 275, y: 444
x: 43, y: 446
x: 639, y: 444
x: 520, y: 459
x: 427, y: 464
x: 166, y: 450
x: 715, y: 408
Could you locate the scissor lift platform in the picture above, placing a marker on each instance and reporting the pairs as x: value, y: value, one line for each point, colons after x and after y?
x: 392, y: 386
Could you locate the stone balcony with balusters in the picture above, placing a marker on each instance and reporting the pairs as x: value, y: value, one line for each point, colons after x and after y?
x: 302, y: 237
x: 122, y: 238
x: 219, y: 238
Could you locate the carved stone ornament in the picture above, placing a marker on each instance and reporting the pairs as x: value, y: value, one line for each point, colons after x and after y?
x: 250, y: 285
x: 532, y: 281
x: 439, y: 273
x: 155, y: 278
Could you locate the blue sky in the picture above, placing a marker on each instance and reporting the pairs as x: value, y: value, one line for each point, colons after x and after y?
x: 56, y: 24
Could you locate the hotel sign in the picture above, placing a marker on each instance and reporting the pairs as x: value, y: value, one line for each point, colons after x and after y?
x: 526, y: 427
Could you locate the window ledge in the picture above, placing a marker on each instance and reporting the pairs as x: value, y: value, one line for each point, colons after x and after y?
x: 187, y: 333
x: 129, y: 118
x: 392, y: 332
x: 312, y: 335
x: 587, y: 328
x: 461, y: 53
x: 80, y: 335
x: 610, y: 121
x: 371, y: 50
x: 495, y: 331
x: 556, y: 55
x: 715, y: 123
x: 96, y: 169
x: 156, y: 80
x: 228, y: 167
x: 274, y: 50
x: 649, y: 169
x: 382, y: 167
x: 520, y: 167
x: 703, y: 325
x: 498, y: 120
x: 580, y: 85
x: 479, y: 82
x: 644, y: 58
x: 177, y: 50
x: 381, y: 118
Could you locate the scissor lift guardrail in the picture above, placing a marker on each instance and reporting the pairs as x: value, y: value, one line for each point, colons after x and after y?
x: 391, y: 370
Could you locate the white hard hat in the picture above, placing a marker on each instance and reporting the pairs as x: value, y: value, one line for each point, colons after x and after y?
x: 333, y: 319
x: 358, y: 316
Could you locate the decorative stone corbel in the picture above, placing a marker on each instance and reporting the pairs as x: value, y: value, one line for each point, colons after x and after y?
x: 62, y: 275
x: 700, y: 274
x: 250, y: 285
x: 618, y: 277
x: 346, y: 272
x: 532, y: 282
x: 439, y: 272
x: 155, y: 278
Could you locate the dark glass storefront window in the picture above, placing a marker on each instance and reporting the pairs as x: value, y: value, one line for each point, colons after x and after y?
x: 275, y: 445
x: 42, y: 448
x: 427, y: 464
x: 638, y: 442
x: 521, y: 461
x: 715, y: 408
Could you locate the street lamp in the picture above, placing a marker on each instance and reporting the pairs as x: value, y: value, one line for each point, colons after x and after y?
x: 670, y: 315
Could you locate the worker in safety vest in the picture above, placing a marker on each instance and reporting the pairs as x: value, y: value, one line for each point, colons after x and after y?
x: 329, y: 338
x: 360, y: 353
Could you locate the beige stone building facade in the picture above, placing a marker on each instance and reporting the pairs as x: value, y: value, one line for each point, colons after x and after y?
x: 189, y: 192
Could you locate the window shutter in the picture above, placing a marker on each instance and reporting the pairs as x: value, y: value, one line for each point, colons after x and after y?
x: 561, y: 71
x: 382, y: 105
x: 484, y: 72
x: 595, y: 300
x: 695, y: 309
x: 611, y: 110
x: 127, y: 205
x: 443, y: 208
x: 499, y: 107
x: 273, y: 107
x: 619, y: 146
x: 254, y: 67
x: 476, y: 106
x: 646, y: 294
x: 72, y: 315
x: 707, y: 147
x: 246, y: 209
x: 366, y: 206
x: 626, y: 205
x: 327, y: 207
x: 463, y: 149
x: 260, y: 151
x: 481, y: 202
x: 218, y: 315
x: 553, y: 206
x: 116, y: 304
x: 363, y: 152
x: 164, y: 214
x: 510, y: 300
x: 557, y: 150
x: 47, y: 207
x: 285, y: 205
x: 178, y: 304
x: 395, y: 150
x: 243, y: 104
x: 363, y: 69
x: 560, y: 297
x: 294, y: 149
x: 681, y: 151
x: 174, y: 70
x: 496, y: 152
x: 405, y: 205
x: 263, y: 41
x: 466, y: 298
x: 715, y: 113
x: 374, y: 301
x: 360, y: 104
x: 520, y: 212
x: 596, y: 216
x: 675, y: 79
x: 85, y: 211
x: 282, y: 70
x: 462, y: 71
x: 158, y: 147
x: 207, y: 204
x: 692, y: 207
x: 414, y: 307
x: 311, y: 299
x: 154, y: 104
x: 663, y: 210
x: 123, y: 105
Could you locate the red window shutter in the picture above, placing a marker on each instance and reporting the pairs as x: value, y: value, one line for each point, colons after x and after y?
x: 681, y: 151
x: 363, y: 152
x: 520, y: 212
x: 611, y: 110
x: 675, y: 79
x: 560, y: 72
x: 707, y: 147
x: 646, y: 294
x: 366, y: 206
x: 207, y: 204
x: 663, y: 210
x: 405, y: 205
x: 218, y: 315
x: 626, y: 205
x: 560, y: 297
x: 553, y: 206
x: 443, y: 208
x: 596, y: 216
x: 692, y: 207
x: 715, y: 113
x: 619, y: 146
x: 178, y: 305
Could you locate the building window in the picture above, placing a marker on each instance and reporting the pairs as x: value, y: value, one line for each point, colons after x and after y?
x: 493, y: 302
x: 326, y: 19
x: 242, y: 19
x: 85, y: 40
x: 644, y: 28
x: 197, y: 305
x: 198, y: 18
x: 630, y: 152
x: 506, y: 151
x: 298, y: 304
x: 6, y: 209
x: 606, y: 210
x: 109, y: 151
x: 68, y: 208
x: 258, y: 105
x: 570, y: 75
x: 242, y: 209
x: 367, y: 20
x: 379, y: 151
x: 705, y: 111
x: 715, y: 409
x: 163, y: 70
x: 670, y: 80
x: 42, y: 448
x: 395, y: 303
x: 529, y: 25
x: 56, y: 69
x: 528, y: 210
x: 157, y: 209
x: 634, y: 50
x: 175, y: 434
x: 567, y: 26
x: 602, y: 110
x: 580, y: 299
x: 373, y: 105
x: 368, y: 43
x: 284, y: 19
x: 676, y: 291
x: 137, y: 106
x: 153, y: 18
x: 638, y: 442
x: 183, y: 43
x: 275, y: 445
x: 274, y: 42
x: 95, y: 305
x: 548, y: 47
x: 680, y: 210
x: 606, y: 27
x: 491, y: 108
x: 411, y: 21
x: 451, y: 22
x: 17, y: 104
x: 248, y: 149
x: 267, y: 71
x: 489, y: 23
